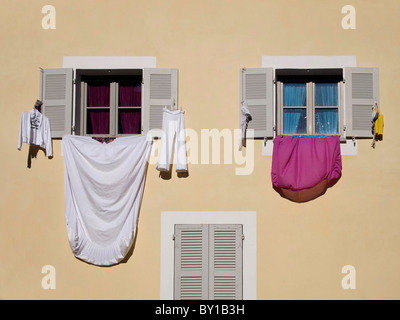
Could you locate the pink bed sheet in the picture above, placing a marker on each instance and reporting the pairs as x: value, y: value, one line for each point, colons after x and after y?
x: 303, y: 163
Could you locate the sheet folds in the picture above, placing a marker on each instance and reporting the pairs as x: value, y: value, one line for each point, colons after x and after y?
x: 104, y: 186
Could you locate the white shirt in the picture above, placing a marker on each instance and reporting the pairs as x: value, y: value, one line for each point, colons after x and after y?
x: 35, y: 129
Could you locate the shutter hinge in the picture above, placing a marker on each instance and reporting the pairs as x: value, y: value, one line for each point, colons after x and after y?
x: 73, y: 128
x: 74, y: 81
x: 173, y: 237
x: 242, y: 236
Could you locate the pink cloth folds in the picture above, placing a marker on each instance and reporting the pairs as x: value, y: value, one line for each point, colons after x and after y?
x: 300, y: 164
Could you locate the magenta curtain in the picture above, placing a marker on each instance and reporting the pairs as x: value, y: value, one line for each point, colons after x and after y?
x: 99, y: 120
x: 303, y: 168
x: 130, y: 95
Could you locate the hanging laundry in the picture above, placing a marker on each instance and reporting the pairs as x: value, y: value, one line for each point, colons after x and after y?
x: 35, y: 129
x: 104, y: 185
x: 173, y: 129
x: 304, y: 167
x: 245, y: 118
x: 377, y: 124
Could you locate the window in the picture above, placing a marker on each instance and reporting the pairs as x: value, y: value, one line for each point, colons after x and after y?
x: 334, y: 101
x: 107, y: 102
x: 309, y: 102
x: 110, y: 105
x: 208, y: 262
x: 170, y: 220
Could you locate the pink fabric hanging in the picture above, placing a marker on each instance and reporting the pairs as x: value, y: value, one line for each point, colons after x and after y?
x: 304, y: 167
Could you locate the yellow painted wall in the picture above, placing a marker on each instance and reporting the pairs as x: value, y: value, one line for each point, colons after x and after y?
x: 301, y: 248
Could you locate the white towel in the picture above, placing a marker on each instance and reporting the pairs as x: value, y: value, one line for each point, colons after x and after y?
x: 104, y: 186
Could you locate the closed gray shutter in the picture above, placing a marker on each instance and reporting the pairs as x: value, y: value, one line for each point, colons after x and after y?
x: 56, y: 95
x: 160, y: 90
x: 361, y: 92
x: 208, y: 262
x: 191, y: 262
x: 256, y: 87
x: 225, y: 267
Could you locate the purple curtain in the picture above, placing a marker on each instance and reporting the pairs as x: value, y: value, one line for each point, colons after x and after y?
x: 130, y: 95
x: 98, y: 96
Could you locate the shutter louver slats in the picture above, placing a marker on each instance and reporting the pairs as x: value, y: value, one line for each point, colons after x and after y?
x: 160, y: 86
x: 362, y: 86
x: 256, y: 87
x: 56, y: 93
x: 160, y: 90
x: 361, y: 91
x: 55, y: 86
x: 155, y: 121
x: 57, y: 116
x: 225, y: 274
x: 191, y: 254
x: 208, y: 262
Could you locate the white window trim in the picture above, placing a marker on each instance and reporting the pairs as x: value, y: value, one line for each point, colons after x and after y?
x: 312, y: 62
x: 245, y: 218
x: 109, y: 62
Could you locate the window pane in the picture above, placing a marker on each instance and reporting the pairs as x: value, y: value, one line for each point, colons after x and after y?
x: 98, y: 121
x: 130, y: 94
x: 295, y: 121
x: 98, y: 94
x: 326, y: 121
x: 294, y: 95
x: 129, y: 121
x: 326, y: 94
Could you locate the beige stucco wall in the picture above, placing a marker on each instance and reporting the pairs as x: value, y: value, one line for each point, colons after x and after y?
x: 301, y: 248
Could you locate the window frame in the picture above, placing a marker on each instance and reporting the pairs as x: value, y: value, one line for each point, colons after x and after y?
x: 81, y: 100
x: 310, y: 109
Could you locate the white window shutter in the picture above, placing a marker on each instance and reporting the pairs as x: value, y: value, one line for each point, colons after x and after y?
x: 56, y: 94
x: 256, y: 87
x: 225, y: 267
x: 191, y: 262
x: 361, y: 92
x: 160, y: 89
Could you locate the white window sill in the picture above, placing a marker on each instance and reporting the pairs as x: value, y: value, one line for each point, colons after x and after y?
x: 349, y: 148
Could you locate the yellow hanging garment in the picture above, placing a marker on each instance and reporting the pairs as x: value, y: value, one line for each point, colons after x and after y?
x: 379, y: 125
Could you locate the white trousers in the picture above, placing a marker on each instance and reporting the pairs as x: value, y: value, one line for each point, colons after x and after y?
x: 173, y: 133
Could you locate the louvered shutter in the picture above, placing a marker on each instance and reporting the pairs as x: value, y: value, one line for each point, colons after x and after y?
x: 160, y: 89
x: 225, y: 267
x: 361, y: 91
x: 256, y: 87
x: 191, y: 262
x: 56, y: 95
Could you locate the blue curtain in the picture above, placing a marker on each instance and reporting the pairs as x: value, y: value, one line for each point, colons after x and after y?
x: 294, y: 119
x: 326, y: 119
x: 294, y: 95
x: 326, y: 94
